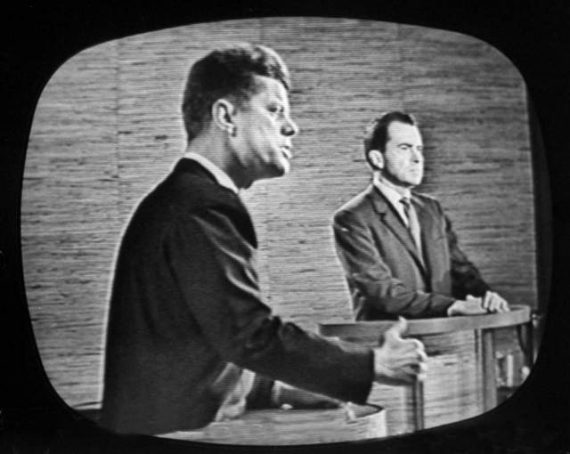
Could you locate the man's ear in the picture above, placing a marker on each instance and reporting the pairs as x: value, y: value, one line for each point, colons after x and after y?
x: 376, y: 159
x: 223, y: 112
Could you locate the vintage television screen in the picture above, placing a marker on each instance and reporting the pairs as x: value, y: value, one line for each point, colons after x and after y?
x: 94, y: 98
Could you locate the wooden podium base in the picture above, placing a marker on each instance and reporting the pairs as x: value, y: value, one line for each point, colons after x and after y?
x: 463, y: 361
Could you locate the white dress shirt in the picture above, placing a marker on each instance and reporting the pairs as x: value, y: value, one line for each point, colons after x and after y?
x: 394, y: 196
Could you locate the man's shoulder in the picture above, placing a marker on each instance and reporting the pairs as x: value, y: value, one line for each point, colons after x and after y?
x: 428, y: 201
x: 425, y: 198
x: 193, y: 183
x: 356, y: 203
x: 187, y: 189
x: 361, y: 204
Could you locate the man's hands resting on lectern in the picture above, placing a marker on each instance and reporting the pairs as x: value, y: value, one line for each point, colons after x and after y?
x: 490, y: 302
x: 399, y: 361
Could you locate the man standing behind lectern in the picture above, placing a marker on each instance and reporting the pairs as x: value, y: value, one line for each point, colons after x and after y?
x: 187, y: 323
x: 398, y: 250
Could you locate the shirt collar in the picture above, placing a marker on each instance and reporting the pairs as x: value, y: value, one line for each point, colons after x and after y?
x: 390, y: 192
x: 221, y: 177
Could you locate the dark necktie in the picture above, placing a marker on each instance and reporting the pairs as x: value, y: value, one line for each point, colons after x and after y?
x: 413, y: 224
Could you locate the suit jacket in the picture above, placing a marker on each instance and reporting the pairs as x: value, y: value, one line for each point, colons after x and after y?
x: 186, y: 315
x: 384, y: 270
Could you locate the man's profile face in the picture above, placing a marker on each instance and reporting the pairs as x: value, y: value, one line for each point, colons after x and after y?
x: 403, y: 155
x: 264, y: 131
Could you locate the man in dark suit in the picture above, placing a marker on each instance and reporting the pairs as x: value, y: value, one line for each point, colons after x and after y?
x: 398, y: 250
x: 187, y: 325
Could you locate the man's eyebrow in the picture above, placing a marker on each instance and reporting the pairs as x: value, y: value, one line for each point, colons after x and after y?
x: 408, y: 144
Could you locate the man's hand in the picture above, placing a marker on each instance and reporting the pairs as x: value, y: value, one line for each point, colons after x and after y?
x: 399, y: 361
x: 491, y: 302
x: 494, y: 302
x: 469, y: 306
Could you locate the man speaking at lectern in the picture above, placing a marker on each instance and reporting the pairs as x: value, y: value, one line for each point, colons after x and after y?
x: 398, y: 250
x: 187, y: 324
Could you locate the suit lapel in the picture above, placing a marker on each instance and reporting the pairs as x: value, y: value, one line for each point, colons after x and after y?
x: 390, y: 219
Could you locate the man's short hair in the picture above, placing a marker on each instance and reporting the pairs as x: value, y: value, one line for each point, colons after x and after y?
x: 376, y: 135
x: 227, y: 73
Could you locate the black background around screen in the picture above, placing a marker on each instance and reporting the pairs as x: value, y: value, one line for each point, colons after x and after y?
x: 38, y: 38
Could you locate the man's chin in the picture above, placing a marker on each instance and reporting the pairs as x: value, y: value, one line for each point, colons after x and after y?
x: 274, y: 172
x: 286, y: 169
x: 412, y: 182
x: 281, y: 169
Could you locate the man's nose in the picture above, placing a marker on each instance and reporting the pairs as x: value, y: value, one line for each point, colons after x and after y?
x: 290, y: 128
x: 417, y: 155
